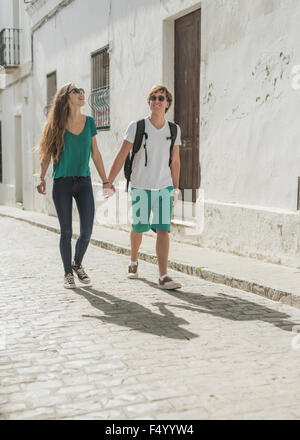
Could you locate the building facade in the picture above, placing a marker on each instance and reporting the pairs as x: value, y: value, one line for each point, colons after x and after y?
x: 232, y: 66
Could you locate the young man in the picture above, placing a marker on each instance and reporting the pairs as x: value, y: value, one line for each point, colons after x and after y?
x: 154, y: 181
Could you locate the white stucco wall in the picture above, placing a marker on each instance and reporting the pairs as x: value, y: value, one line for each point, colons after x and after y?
x: 136, y: 59
x: 6, y: 14
x: 247, y: 101
x: 249, y: 153
x: 249, y: 132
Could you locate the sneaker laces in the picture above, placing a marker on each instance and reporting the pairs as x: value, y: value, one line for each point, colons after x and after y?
x: 70, y: 278
x: 81, y: 272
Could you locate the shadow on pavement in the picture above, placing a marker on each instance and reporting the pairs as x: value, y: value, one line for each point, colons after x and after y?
x: 229, y: 307
x: 135, y: 316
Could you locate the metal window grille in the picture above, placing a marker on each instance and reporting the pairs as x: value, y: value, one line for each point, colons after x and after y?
x: 10, y: 47
x: 100, y: 96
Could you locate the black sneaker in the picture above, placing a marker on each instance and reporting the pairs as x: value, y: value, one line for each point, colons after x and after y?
x: 82, y: 276
x: 69, y: 282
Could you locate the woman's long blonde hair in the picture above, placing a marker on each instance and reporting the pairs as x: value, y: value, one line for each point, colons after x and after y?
x: 52, y: 139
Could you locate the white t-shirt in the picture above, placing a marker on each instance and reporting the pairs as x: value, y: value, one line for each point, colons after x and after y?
x: 157, y: 173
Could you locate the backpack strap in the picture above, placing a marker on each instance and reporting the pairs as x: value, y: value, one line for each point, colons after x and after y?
x: 173, y: 130
x: 140, y: 129
x: 139, y: 134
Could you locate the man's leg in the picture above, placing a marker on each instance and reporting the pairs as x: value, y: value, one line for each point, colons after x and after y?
x: 162, y: 251
x: 162, y: 212
x: 135, y: 241
x: 141, y: 209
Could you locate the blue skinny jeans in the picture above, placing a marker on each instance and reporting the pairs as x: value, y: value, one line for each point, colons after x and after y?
x: 64, y: 189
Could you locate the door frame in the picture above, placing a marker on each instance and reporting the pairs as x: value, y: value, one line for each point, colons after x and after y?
x: 168, y: 78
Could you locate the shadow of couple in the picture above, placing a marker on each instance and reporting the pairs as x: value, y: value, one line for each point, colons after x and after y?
x: 165, y: 323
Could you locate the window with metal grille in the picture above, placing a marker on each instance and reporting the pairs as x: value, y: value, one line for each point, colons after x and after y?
x: 10, y: 48
x: 1, y: 176
x: 100, y: 96
x: 51, y: 90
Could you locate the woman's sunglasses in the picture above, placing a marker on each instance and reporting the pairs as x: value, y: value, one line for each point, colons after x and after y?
x: 77, y: 91
x: 160, y: 98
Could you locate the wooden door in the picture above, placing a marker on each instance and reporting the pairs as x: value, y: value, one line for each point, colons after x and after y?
x: 187, y: 97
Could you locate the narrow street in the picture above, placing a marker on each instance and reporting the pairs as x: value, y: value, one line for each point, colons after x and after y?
x: 124, y: 349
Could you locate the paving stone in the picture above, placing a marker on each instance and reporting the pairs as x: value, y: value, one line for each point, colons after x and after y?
x: 9, y: 389
x: 78, y: 408
x: 36, y: 414
x: 148, y: 408
x: 12, y: 407
x: 113, y: 414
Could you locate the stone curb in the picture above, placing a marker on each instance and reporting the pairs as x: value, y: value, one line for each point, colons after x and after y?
x: 204, y: 273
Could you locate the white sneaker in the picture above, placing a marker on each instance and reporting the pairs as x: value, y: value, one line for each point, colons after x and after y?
x: 168, y: 284
x: 69, y: 282
x: 133, y: 271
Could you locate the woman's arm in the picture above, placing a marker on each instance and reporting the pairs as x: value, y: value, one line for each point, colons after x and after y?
x: 119, y: 160
x: 97, y: 158
x: 41, y: 187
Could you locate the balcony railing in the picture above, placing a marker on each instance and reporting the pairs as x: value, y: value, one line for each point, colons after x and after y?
x: 10, y: 48
x: 100, y: 103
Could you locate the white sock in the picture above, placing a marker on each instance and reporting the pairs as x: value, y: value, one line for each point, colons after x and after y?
x: 133, y: 263
x: 162, y: 277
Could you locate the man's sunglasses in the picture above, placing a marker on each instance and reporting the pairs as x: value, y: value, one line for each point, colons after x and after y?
x: 160, y: 98
x: 77, y: 91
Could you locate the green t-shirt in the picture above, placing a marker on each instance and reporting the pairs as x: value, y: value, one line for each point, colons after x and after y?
x: 74, y: 160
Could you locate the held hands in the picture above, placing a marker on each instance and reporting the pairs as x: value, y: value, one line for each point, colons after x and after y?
x: 41, y: 187
x: 108, y: 190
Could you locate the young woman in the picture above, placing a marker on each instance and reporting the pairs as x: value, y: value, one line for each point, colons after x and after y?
x: 69, y: 138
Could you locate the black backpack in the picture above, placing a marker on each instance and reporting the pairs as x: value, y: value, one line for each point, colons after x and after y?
x: 139, y: 135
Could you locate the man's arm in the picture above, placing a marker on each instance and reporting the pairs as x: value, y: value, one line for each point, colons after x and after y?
x: 175, y: 166
x: 119, y: 160
x: 175, y: 172
x: 97, y: 159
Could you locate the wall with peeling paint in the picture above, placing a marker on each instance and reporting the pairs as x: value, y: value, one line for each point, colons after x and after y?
x: 249, y: 153
x: 249, y: 132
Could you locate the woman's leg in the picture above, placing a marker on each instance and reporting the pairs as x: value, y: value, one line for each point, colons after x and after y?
x: 62, y: 197
x: 86, y: 207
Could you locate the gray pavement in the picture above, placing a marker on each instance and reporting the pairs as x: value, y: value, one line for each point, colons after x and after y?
x: 124, y: 349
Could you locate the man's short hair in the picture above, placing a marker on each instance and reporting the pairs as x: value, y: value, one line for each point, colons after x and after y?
x: 160, y: 88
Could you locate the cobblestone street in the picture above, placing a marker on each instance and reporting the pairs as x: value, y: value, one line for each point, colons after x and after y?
x: 124, y: 349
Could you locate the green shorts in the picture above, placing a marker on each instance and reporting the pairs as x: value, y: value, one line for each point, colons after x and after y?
x: 145, y: 201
